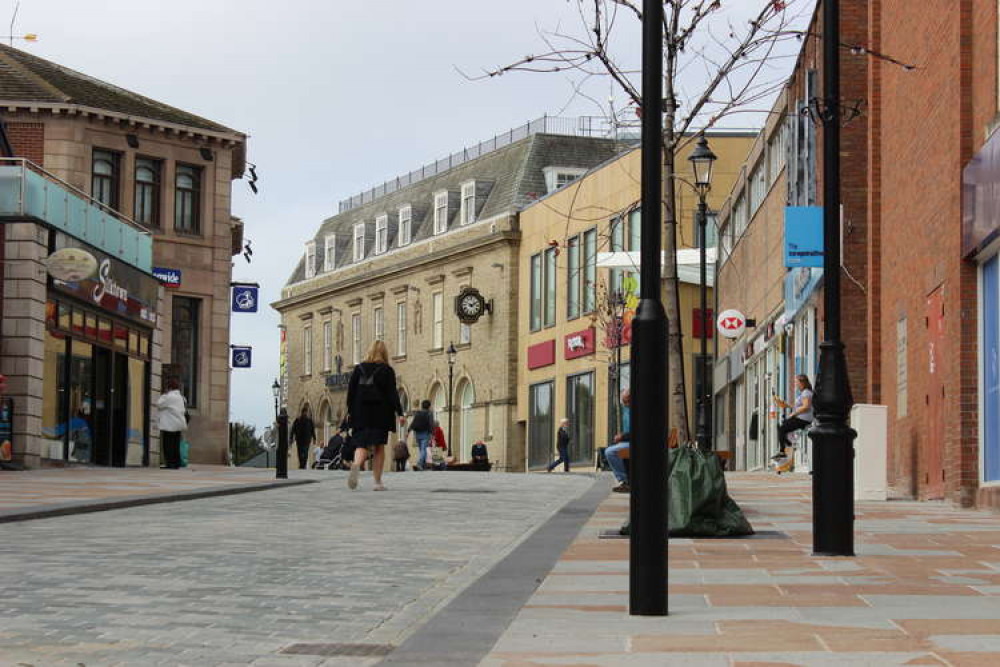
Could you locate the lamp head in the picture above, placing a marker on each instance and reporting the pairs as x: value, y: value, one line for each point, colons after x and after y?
x: 452, y: 353
x: 275, y: 389
x: 702, y: 158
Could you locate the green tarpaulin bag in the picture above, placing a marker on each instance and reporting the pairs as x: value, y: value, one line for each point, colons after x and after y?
x: 700, y: 505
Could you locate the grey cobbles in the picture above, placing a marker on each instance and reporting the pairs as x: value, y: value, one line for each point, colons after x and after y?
x: 233, y: 580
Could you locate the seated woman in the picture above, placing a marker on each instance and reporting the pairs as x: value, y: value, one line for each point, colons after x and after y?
x: 802, y: 413
x: 613, y: 452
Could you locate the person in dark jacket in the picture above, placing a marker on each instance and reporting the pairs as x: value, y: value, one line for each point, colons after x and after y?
x: 303, y: 433
x: 562, y: 446
x: 373, y: 405
x: 421, y: 427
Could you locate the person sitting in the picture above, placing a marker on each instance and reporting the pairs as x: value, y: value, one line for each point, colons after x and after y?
x: 621, y: 443
x: 801, y: 417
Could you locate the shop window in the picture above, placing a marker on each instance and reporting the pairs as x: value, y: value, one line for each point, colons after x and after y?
x: 184, y: 341
x: 990, y: 369
x: 104, y: 331
x: 121, y: 337
x: 78, y: 323
x: 105, y: 178
x: 536, y: 292
x: 549, y: 311
x: 81, y: 404
x: 187, y: 199
x: 541, y: 425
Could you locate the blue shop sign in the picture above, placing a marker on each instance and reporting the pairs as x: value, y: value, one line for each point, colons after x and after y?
x: 169, y: 277
x: 242, y: 356
x: 800, y: 283
x: 244, y: 299
x: 803, y: 236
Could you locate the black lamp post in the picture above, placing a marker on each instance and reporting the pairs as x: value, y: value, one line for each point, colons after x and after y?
x: 276, y: 390
x: 833, y: 439
x: 702, y: 159
x: 648, y: 468
x: 452, y: 353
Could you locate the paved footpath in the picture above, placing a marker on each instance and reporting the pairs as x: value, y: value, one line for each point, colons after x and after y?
x: 305, y: 575
x: 924, y: 589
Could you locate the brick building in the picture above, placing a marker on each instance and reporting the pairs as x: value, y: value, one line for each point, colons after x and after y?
x: 389, y: 265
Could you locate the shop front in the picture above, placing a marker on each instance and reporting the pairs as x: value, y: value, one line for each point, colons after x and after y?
x: 97, y: 364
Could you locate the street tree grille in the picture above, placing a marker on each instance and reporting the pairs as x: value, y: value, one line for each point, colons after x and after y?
x: 329, y: 650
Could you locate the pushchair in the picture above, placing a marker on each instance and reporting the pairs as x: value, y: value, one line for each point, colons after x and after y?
x: 333, y: 455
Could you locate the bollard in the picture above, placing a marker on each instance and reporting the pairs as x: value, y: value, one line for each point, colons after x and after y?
x: 281, y: 465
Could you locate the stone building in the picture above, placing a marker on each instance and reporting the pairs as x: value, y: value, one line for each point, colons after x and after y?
x: 163, y: 171
x: 389, y: 267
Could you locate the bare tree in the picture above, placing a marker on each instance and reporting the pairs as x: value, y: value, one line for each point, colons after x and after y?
x: 720, y: 58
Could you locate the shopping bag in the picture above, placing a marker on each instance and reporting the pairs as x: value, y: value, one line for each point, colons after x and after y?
x: 185, y: 447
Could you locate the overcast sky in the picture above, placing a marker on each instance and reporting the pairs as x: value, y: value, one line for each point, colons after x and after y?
x: 336, y: 96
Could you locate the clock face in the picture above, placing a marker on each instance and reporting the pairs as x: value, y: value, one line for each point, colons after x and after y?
x: 470, y: 305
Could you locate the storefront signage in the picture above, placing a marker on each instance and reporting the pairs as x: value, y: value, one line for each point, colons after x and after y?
x: 242, y: 356
x: 71, y: 264
x: 116, y: 287
x: 579, y: 344
x: 542, y: 354
x: 338, y: 380
x: 244, y: 298
x: 981, y: 198
x: 731, y: 323
x: 803, y: 236
x: 169, y: 277
x: 800, y: 283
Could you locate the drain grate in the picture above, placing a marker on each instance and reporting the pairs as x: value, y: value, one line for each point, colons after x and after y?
x: 329, y: 650
x: 462, y: 491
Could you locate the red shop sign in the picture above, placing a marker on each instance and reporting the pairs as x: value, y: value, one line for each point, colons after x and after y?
x: 579, y: 344
x: 542, y: 354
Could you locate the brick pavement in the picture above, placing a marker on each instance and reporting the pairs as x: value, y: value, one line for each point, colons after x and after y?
x: 924, y: 589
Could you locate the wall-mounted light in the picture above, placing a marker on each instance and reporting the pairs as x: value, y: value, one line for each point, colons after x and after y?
x: 132, y: 140
x: 206, y: 154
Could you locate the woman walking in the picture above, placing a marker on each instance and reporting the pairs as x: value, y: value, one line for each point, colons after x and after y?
x: 373, y: 403
x: 173, y: 420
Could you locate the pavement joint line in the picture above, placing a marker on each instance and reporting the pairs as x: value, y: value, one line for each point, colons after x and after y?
x: 104, y: 505
x: 465, y: 630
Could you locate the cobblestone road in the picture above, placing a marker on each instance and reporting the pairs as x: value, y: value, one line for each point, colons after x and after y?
x: 234, y: 580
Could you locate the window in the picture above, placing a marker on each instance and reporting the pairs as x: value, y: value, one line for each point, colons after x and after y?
x: 989, y: 370
x: 327, y: 346
x: 580, y: 408
x: 401, y: 329
x: 104, y: 179
x: 550, y: 288
x: 557, y: 177
x: 590, y: 270
x: 356, y: 338
x: 381, y: 234
x: 146, y: 208
x: 626, y: 233
x: 185, y: 325
x: 464, y: 333
x: 467, y: 213
x: 187, y: 199
x: 437, y: 334
x: 330, y: 252
x: 307, y: 350
x: 378, y: 318
x: 758, y: 186
x: 739, y: 217
x: 440, y: 212
x: 573, y: 278
x: 310, y: 259
x: 777, y: 145
x: 726, y: 248
x: 711, y: 230
x: 536, y: 292
x: 541, y: 424
x: 359, y: 242
x: 405, y: 217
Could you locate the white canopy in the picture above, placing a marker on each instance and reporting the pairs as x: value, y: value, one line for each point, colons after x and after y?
x: 688, y: 263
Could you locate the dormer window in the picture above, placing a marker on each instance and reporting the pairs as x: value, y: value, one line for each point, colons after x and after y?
x: 381, y: 234
x: 359, y: 242
x: 330, y: 252
x: 440, y: 212
x: 467, y: 212
x: 557, y: 177
x: 405, y: 224
x: 310, y: 259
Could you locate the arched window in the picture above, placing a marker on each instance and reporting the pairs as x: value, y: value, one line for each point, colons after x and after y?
x: 439, y: 402
x: 325, y: 428
x: 466, y: 436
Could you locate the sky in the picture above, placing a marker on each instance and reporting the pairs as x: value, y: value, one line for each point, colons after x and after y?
x: 335, y: 96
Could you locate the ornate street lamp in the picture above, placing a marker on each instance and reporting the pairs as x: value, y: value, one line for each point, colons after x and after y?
x: 452, y: 353
x: 702, y: 159
x: 276, y: 390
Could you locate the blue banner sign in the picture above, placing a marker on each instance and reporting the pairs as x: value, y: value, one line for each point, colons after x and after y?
x: 803, y: 236
x: 244, y: 299
x: 242, y: 356
x: 169, y: 277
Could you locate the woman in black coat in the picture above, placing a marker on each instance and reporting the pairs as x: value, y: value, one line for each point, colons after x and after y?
x: 373, y: 405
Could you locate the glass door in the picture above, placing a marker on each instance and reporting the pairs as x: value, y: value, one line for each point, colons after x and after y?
x: 541, y: 428
x: 580, y: 412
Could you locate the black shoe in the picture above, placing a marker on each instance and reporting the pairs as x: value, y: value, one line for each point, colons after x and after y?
x: 622, y: 488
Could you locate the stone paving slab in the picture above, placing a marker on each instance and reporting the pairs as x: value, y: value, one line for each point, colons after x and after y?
x: 922, y: 590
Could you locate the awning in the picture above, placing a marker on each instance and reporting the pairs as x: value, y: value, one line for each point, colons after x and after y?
x: 688, y: 263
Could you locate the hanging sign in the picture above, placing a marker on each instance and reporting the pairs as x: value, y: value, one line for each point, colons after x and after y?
x: 731, y: 323
x: 242, y: 356
x: 244, y: 298
x: 803, y: 236
x: 71, y: 264
x: 169, y: 277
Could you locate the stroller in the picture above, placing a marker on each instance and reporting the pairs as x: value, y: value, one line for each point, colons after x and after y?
x: 335, y: 454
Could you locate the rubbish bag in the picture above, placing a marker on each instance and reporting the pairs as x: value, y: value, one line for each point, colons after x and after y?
x: 185, y: 448
x: 700, y: 505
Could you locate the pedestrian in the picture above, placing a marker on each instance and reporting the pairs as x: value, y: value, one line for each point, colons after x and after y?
x: 621, y: 444
x: 439, y: 451
x: 421, y: 426
x: 173, y: 421
x: 802, y: 413
x: 303, y: 433
x: 373, y: 403
x: 563, y: 441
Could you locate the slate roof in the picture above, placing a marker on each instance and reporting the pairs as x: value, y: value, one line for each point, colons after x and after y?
x: 507, y: 179
x: 28, y: 78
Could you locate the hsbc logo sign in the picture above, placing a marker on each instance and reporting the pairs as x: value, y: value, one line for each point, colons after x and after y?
x: 731, y: 324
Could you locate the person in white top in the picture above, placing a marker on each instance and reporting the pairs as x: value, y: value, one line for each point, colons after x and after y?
x: 802, y: 413
x: 173, y: 421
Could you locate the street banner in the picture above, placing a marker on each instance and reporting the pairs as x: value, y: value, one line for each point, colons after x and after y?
x: 242, y: 356
x: 803, y: 236
x: 244, y: 299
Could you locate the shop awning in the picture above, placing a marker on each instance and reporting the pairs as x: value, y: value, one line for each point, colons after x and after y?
x: 688, y: 263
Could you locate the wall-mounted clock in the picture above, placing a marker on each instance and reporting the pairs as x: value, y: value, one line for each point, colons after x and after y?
x: 470, y: 305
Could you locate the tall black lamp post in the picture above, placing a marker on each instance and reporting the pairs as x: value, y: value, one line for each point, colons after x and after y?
x: 833, y: 453
x: 648, y: 469
x: 276, y: 390
x: 452, y: 353
x: 702, y: 158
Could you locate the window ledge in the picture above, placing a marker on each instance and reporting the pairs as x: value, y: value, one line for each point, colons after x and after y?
x: 463, y: 346
x: 398, y: 358
x: 436, y: 351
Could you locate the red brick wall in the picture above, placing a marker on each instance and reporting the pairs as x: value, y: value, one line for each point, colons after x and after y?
x: 28, y: 140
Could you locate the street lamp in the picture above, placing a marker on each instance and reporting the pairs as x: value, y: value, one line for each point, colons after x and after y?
x: 276, y: 390
x: 702, y: 158
x: 452, y: 353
